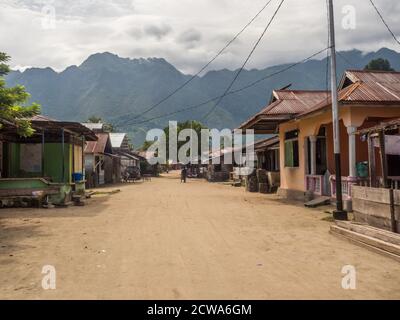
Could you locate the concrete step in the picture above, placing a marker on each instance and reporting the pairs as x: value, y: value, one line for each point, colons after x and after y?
x: 377, y: 245
x: 320, y: 201
x: 370, y: 231
x: 367, y: 246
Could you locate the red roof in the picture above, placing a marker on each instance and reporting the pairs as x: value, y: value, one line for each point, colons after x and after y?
x: 288, y: 102
x: 364, y: 86
x: 374, y: 86
x: 293, y: 101
x: 98, y: 146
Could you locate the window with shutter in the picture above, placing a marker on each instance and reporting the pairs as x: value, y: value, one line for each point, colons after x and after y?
x: 291, y: 149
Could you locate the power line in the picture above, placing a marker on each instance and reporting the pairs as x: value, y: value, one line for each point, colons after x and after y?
x: 246, y: 61
x: 204, y: 67
x: 252, y: 84
x: 384, y: 22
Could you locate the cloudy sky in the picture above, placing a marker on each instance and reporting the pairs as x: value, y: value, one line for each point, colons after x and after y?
x: 185, y: 32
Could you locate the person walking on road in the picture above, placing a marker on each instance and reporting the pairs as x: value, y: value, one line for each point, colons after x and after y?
x: 183, y: 175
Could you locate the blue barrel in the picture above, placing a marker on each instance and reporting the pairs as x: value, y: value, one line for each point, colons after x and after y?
x: 77, y: 176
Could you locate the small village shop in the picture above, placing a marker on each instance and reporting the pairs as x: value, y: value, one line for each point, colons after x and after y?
x: 48, y: 163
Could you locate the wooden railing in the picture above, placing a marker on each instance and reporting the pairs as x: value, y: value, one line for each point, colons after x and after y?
x: 395, y: 182
x: 314, y: 183
x: 347, y: 182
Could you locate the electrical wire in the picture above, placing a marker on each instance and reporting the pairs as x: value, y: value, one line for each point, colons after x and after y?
x: 384, y: 22
x: 291, y: 66
x: 147, y: 110
x: 245, y: 62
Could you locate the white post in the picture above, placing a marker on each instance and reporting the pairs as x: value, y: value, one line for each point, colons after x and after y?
x: 313, y: 152
x: 352, y: 151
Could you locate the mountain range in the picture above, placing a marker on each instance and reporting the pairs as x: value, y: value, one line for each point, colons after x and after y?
x: 119, y: 89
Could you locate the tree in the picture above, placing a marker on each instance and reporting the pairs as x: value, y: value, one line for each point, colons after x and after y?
x: 13, y: 101
x: 108, y: 127
x: 379, y: 65
x: 195, y: 125
x: 190, y: 124
x: 94, y: 119
x: 146, y: 145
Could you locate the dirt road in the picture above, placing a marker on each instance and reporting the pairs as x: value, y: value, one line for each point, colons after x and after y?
x: 166, y: 240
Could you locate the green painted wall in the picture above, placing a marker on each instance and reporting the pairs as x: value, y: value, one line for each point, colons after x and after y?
x: 14, y: 164
x: 52, y: 162
x: 22, y: 184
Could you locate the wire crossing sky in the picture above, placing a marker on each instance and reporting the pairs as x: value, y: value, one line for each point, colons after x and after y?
x: 218, y: 99
x: 187, y: 33
x: 205, y: 66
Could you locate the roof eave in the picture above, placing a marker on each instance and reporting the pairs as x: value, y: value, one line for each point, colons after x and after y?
x: 272, y: 121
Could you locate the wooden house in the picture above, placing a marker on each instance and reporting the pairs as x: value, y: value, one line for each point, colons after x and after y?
x: 102, y: 166
x: 267, y: 153
x: 121, y: 146
x: 48, y: 160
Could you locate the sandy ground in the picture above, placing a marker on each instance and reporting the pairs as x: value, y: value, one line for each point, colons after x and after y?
x: 166, y: 240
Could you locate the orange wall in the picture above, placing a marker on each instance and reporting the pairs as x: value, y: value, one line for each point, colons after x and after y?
x: 293, y: 178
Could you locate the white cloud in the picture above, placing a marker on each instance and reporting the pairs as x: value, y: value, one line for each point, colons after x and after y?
x: 185, y: 32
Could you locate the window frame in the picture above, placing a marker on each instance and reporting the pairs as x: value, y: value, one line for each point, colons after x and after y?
x: 292, y: 139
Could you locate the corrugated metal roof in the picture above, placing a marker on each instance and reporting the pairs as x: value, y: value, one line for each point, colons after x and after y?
x: 293, y: 101
x: 265, y: 143
x: 368, y: 76
x: 98, y: 146
x: 287, y: 102
x: 49, y: 124
x: 362, y: 86
x: 376, y: 92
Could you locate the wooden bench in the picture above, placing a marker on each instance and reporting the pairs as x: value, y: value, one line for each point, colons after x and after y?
x: 39, y: 189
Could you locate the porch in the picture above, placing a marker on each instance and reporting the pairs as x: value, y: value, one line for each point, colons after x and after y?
x: 361, y: 159
x: 378, y: 202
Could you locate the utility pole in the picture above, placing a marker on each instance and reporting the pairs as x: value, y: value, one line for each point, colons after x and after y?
x: 191, y: 142
x: 339, y: 213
